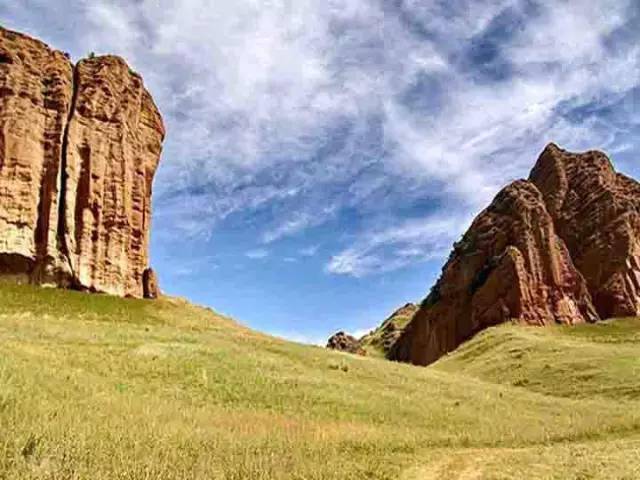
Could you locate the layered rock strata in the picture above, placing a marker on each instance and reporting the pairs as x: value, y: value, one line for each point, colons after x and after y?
x: 79, y: 146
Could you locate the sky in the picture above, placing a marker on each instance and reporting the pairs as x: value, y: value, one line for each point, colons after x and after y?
x: 322, y: 156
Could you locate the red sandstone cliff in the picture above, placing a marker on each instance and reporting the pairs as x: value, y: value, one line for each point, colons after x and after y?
x: 597, y: 214
x: 561, y: 248
x: 79, y: 147
x: 35, y: 97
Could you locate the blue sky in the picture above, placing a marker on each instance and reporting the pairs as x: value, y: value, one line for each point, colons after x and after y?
x: 322, y: 156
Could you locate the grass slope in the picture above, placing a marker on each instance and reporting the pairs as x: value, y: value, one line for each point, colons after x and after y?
x: 93, y: 387
x: 379, y: 341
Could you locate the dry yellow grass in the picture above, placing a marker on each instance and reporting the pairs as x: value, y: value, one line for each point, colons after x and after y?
x: 94, y: 387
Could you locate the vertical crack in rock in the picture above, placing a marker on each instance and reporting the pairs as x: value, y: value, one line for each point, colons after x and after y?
x: 34, y: 100
x: 79, y: 146
x: 52, y: 161
x: 114, y: 145
x: 63, y: 175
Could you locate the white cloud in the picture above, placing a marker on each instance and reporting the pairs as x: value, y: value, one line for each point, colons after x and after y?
x: 487, y: 134
x: 395, y: 247
x: 296, y: 222
x: 257, y: 254
x: 309, y: 251
x: 303, y: 109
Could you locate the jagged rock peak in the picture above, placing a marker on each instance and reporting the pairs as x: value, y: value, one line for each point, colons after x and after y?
x: 510, y: 265
x: 597, y: 213
x: 561, y: 247
x: 79, y: 146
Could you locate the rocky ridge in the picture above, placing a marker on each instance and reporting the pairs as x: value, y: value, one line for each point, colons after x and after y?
x: 562, y: 247
x: 79, y: 147
x: 379, y: 341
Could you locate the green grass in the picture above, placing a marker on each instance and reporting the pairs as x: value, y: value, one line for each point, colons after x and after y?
x: 377, y: 342
x: 582, y: 362
x: 94, y: 387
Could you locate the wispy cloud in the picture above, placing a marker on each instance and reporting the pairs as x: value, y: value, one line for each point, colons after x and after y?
x: 309, y: 251
x: 475, y: 133
x: 310, y: 111
x: 394, y: 247
x: 297, y: 222
x: 257, y: 254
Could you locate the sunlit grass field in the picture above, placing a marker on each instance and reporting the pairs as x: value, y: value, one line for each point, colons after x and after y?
x: 94, y: 387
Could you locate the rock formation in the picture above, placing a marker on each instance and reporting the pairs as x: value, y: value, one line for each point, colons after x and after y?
x: 35, y: 98
x: 150, y: 287
x: 79, y: 147
x: 379, y: 341
x: 597, y: 213
x: 562, y: 247
x: 382, y: 339
x: 343, y: 342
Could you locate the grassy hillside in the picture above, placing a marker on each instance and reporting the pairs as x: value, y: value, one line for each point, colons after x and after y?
x: 94, y: 387
x: 379, y: 341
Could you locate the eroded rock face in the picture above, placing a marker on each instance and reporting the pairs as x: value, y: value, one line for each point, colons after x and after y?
x: 35, y: 97
x: 113, y: 147
x: 79, y: 147
x: 510, y: 265
x: 597, y: 213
